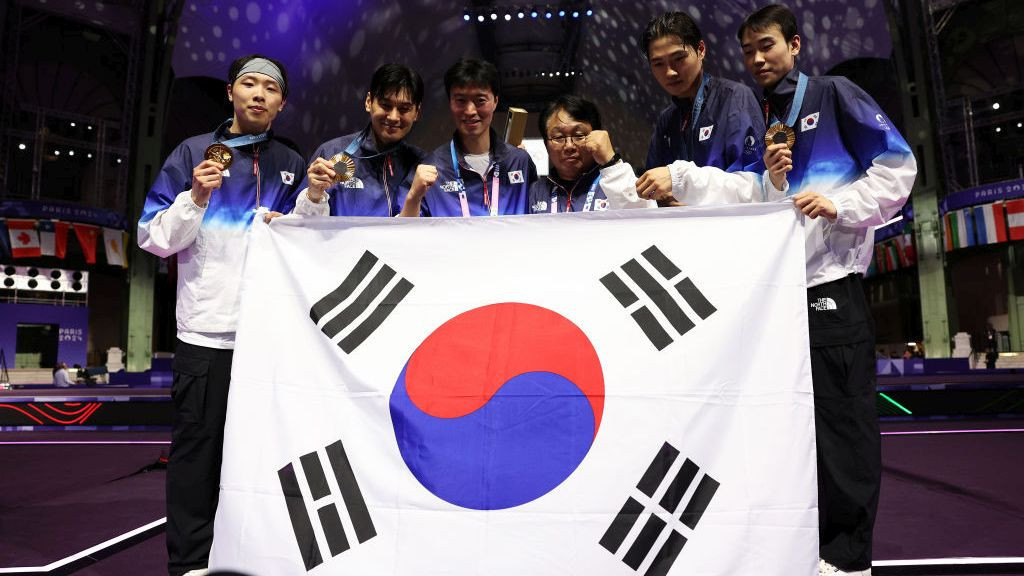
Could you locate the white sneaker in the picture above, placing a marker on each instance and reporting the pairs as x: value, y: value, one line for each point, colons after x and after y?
x: 826, y: 569
x: 198, y: 572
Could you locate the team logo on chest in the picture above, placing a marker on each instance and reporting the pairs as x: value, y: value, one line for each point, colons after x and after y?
x: 809, y: 122
x: 450, y: 186
x: 705, y: 133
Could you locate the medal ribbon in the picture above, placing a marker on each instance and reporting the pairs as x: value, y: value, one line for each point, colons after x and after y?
x: 491, y: 200
x: 244, y: 139
x: 794, y: 107
x: 698, y: 105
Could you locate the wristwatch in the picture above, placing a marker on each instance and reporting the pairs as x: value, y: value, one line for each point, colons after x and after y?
x: 616, y: 158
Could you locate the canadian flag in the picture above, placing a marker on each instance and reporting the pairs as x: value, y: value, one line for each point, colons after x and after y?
x: 24, y: 238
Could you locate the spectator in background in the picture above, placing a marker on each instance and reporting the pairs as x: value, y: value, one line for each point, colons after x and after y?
x: 991, y: 347
x: 61, y: 378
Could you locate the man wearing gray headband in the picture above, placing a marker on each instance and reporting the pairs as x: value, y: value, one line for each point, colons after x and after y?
x: 200, y: 207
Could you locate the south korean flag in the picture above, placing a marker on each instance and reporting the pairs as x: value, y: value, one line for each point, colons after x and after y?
x: 400, y: 407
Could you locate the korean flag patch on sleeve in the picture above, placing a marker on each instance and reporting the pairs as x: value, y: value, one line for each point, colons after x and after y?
x: 287, y: 177
x: 515, y: 177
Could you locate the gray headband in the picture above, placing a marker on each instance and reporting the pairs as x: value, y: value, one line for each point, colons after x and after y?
x: 265, y: 67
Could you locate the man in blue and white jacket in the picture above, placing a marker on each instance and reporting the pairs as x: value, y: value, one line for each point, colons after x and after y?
x: 848, y: 171
x: 384, y: 162
x: 201, y: 210
x: 476, y: 173
x: 712, y: 121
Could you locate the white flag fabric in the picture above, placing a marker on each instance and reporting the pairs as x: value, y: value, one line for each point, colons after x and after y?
x: 113, y: 244
x: 598, y: 393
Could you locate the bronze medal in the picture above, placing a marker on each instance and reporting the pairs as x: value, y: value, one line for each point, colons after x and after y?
x: 219, y: 153
x: 344, y: 167
x: 780, y: 134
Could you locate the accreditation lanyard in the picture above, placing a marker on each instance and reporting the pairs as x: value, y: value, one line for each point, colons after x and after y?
x: 698, y: 105
x: 490, y: 200
x: 794, y: 109
x: 568, y: 204
x: 387, y: 170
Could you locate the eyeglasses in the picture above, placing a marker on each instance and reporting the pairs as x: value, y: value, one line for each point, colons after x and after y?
x: 577, y: 139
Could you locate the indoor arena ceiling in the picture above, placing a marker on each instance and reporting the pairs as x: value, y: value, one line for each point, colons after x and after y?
x: 331, y: 48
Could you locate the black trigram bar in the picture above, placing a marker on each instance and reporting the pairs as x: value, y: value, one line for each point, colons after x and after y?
x: 620, y: 527
x: 301, y: 524
x: 698, y: 504
x: 361, y: 303
x: 350, y: 492
x: 339, y: 294
x: 654, y: 526
x: 327, y: 514
x: 656, y: 472
x: 659, y: 296
x: 333, y: 530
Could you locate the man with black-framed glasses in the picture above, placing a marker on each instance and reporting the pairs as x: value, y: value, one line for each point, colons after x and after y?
x: 586, y: 173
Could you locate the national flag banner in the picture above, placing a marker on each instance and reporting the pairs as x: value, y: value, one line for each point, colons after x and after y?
x: 459, y: 396
x: 980, y: 226
x: 24, y: 238
x: 47, y: 237
x: 86, y: 234
x: 1015, y: 219
x: 947, y: 222
x: 962, y: 234
x: 995, y: 223
x: 5, y: 240
x: 60, y: 238
x: 113, y: 244
x: 969, y: 224
x: 909, y: 249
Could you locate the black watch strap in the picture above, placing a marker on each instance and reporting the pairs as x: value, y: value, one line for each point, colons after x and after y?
x: 616, y: 158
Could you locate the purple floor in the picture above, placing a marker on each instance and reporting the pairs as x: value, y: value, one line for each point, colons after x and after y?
x: 949, y: 495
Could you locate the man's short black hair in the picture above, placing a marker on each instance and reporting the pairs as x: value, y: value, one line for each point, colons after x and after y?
x: 472, y: 72
x: 392, y: 79
x: 236, y: 66
x: 580, y: 110
x: 670, y: 24
x: 772, y: 15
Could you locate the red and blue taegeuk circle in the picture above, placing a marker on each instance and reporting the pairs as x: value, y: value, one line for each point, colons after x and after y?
x: 498, y: 405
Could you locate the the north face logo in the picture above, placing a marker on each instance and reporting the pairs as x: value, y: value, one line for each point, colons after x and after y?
x: 824, y: 304
x: 450, y: 186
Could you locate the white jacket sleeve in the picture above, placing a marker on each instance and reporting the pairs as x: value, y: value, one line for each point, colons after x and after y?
x: 873, y: 199
x: 618, y: 182
x: 306, y: 207
x: 173, y: 228
x: 703, y: 185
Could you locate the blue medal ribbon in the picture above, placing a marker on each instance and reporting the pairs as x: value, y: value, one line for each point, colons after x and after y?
x: 797, y: 104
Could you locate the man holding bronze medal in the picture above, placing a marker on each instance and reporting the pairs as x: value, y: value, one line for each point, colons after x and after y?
x: 711, y: 121
x: 832, y: 149
x: 476, y: 173
x: 369, y: 173
x: 200, y: 207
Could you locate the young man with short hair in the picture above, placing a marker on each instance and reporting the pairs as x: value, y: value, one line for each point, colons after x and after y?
x: 368, y: 173
x: 476, y: 173
x: 711, y: 121
x: 200, y: 207
x: 848, y: 171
